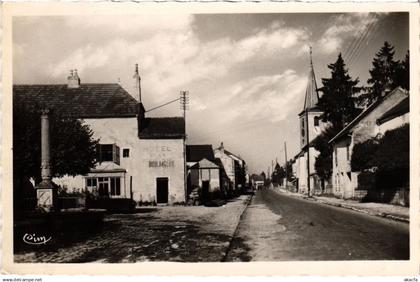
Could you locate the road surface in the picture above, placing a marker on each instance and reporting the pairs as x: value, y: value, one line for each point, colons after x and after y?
x: 278, y: 227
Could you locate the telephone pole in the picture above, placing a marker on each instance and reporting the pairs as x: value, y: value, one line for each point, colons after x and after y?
x: 285, y: 161
x: 184, y: 101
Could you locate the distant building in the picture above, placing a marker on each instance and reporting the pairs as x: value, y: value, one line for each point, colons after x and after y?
x: 311, y: 126
x: 234, y: 166
x: 385, y: 114
x: 138, y: 157
x: 203, y: 171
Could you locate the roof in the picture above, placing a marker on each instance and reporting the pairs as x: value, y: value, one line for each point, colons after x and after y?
x: 400, y: 109
x: 369, y: 109
x: 196, y: 153
x: 311, y: 95
x: 205, y: 163
x: 90, y: 100
x: 162, y: 128
x: 232, y: 155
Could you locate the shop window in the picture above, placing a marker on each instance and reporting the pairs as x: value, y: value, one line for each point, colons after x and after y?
x: 108, y: 153
x: 105, y: 186
x: 126, y: 153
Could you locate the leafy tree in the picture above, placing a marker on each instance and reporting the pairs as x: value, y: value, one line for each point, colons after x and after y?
x: 388, y: 156
x: 382, y: 75
x: 72, y: 148
x: 361, y: 158
x: 394, y: 150
x: 338, y: 101
x: 323, y: 162
x: 289, y: 170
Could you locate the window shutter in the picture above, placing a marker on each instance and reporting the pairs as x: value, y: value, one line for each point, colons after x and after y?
x: 116, y: 154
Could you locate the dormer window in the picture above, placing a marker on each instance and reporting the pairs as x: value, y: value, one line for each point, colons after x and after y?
x: 108, y: 153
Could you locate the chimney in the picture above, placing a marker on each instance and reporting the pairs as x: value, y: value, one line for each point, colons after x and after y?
x: 222, y: 148
x: 137, y: 84
x: 73, y: 80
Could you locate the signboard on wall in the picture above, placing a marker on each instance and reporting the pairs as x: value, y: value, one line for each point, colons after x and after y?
x: 162, y: 163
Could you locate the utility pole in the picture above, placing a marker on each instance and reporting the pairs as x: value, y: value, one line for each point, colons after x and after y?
x: 184, y: 101
x: 307, y: 136
x: 285, y: 161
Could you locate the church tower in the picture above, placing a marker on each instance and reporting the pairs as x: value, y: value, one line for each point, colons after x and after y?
x: 309, y: 118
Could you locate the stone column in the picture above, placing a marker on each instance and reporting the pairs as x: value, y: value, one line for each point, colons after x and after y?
x: 45, y: 192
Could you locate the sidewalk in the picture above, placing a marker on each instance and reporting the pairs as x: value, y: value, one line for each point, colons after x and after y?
x: 394, y: 212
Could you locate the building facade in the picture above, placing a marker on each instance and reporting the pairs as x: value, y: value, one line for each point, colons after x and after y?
x: 311, y: 126
x: 138, y: 158
x: 385, y: 114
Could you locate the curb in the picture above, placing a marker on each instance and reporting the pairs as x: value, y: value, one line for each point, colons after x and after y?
x: 229, y: 246
x: 349, y: 207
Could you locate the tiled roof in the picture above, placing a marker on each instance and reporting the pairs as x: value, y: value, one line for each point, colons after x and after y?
x: 196, y: 153
x: 90, y: 100
x: 401, y: 108
x: 162, y: 128
x: 369, y: 109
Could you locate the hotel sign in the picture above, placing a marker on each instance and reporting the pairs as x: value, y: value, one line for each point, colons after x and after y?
x: 162, y: 163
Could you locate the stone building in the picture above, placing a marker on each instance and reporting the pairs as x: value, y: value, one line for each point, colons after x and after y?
x: 311, y: 126
x: 387, y: 113
x: 138, y: 157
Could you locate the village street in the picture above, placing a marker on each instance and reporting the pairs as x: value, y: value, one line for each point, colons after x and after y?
x: 162, y: 233
x: 280, y: 227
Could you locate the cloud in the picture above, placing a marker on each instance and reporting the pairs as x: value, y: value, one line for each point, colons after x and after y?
x: 172, y: 57
x: 345, y: 26
x: 266, y: 97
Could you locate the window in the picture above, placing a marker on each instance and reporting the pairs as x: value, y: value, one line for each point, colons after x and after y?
x: 91, y: 183
x: 105, y: 186
x: 126, y: 153
x: 303, y: 132
x: 348, y: 152
x: 108, y: 153
x: 335, y: 156
x: 316, y: 121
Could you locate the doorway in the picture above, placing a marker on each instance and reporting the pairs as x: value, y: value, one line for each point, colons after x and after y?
x: 162, y: 190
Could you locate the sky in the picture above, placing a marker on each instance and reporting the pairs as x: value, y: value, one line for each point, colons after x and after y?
x: 246, y: 73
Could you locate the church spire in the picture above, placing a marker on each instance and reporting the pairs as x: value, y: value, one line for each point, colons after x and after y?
x: 311, y: 96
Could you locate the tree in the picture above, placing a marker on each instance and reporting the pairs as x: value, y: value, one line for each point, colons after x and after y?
x: 403, y: 73
x: 72, y: 147
x: 338, y: 101
x: 383, y: 75
x: 323, y: 162
x: 362, y: 156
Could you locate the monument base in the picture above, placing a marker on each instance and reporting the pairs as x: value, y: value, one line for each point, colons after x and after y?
x: 46, y: 196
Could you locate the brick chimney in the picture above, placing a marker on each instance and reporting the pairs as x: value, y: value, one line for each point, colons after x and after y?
x: 73, y: 80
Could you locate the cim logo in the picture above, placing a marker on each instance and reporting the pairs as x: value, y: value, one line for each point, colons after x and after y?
x: 32, y: 239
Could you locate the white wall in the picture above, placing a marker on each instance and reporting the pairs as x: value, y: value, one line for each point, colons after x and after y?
x: 228, y: 164
x: 123, y: 132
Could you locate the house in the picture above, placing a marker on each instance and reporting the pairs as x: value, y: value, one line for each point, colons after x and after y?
x: 139, y: 157
x: 235, y: 168
x: 387, y: 113
x: 311, y: 126
x: 203, y: 171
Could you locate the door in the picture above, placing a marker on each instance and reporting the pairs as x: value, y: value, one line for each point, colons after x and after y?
x: 162, y: 190
x: 205, y: 190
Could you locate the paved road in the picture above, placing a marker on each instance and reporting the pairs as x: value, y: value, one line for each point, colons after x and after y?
x: 280, y: 227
